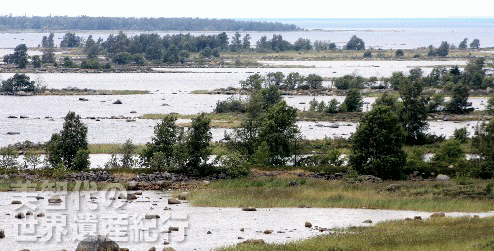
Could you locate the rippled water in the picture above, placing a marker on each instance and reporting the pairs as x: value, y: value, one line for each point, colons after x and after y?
x: 200, y: 228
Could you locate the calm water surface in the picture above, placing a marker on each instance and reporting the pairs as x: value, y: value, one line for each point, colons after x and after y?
x: 223, y: 224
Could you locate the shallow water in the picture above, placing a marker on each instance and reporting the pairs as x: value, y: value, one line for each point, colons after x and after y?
x: 170, y: 93
x: 72, y: 219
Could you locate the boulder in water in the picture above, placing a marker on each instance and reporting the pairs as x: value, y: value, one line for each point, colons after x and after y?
x: 96, y: 243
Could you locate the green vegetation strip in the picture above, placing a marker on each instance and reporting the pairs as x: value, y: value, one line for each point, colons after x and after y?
x: 434, y: 234
x: 308, y: 192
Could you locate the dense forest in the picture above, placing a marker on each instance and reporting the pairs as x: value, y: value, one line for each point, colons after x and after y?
x: 141, y: 24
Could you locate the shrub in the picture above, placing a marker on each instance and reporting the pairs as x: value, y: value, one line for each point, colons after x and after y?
x: 232, y: 104
x: 399, y: 53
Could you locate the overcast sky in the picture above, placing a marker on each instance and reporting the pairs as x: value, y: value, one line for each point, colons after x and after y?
x: 251, y: 8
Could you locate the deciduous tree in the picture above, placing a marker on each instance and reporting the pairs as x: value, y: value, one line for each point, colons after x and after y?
x: 377, y: 145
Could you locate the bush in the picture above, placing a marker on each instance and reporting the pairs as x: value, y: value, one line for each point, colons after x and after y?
x: 461, y: 134
x: 90, y: 64
x: 232, y: 104
x: 232, y: 164
x: 8, y: 158
x: 399, y: 53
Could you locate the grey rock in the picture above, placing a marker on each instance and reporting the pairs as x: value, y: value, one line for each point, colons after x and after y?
x: 96, y: 243
x: 131, y: 196
x: 442, y: 177
x: 54, y: 200
x: 173, y: 201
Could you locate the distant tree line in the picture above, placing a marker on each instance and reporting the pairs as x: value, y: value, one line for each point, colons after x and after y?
x: 170, y: 49
x: 140, y: 24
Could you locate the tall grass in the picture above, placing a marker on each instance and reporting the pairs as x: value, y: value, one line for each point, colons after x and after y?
x: 297, y: 192
x: 435, y: 234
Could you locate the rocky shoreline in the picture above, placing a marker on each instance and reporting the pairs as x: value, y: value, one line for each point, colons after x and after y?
x: 156, y: 180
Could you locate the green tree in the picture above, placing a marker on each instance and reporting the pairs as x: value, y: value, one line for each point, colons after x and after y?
x: 48, y: 44
x: 474, y: 73
x: 355, y: 43
x: 36, y: 61
x: 165, y: 137
x: 332, y: 106
x: 19, y: 57
x: 246, y: 42
x: 314, y: 81
x: 450, y: 152
x: 348, y: 82
x: 302, y: 44
x: 70, y: 40
x: 413, y: 115
x: 475, y: 44
x: 435, y: 103
x: 267, y: 97
x: 399, y: 53
x: 252, y: 82
x: 396, y: 79
x: 70, y: 147
x: 441, y: 51
x: 388, y: 100
x: 196, y: 147
x: 461, y: 134
x: 293, y: 80
x: 236, y: 43
x: 92, y: 48
x: 490, y: 105
x: 274, y: 78
x: 246, y: 139
x: 458, y: 101
x: 463, y: 44
x: 8, y: 158
x: 377, y: 145
x: 278, y: 131
x: 353, y: 102
x: 483, y: 144
x: 128, y: 151
x: 17, y: 83
x: 67, y: 62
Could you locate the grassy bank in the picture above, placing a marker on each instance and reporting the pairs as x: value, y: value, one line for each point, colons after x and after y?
x: 294, y: 191
x: 435, y: 234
